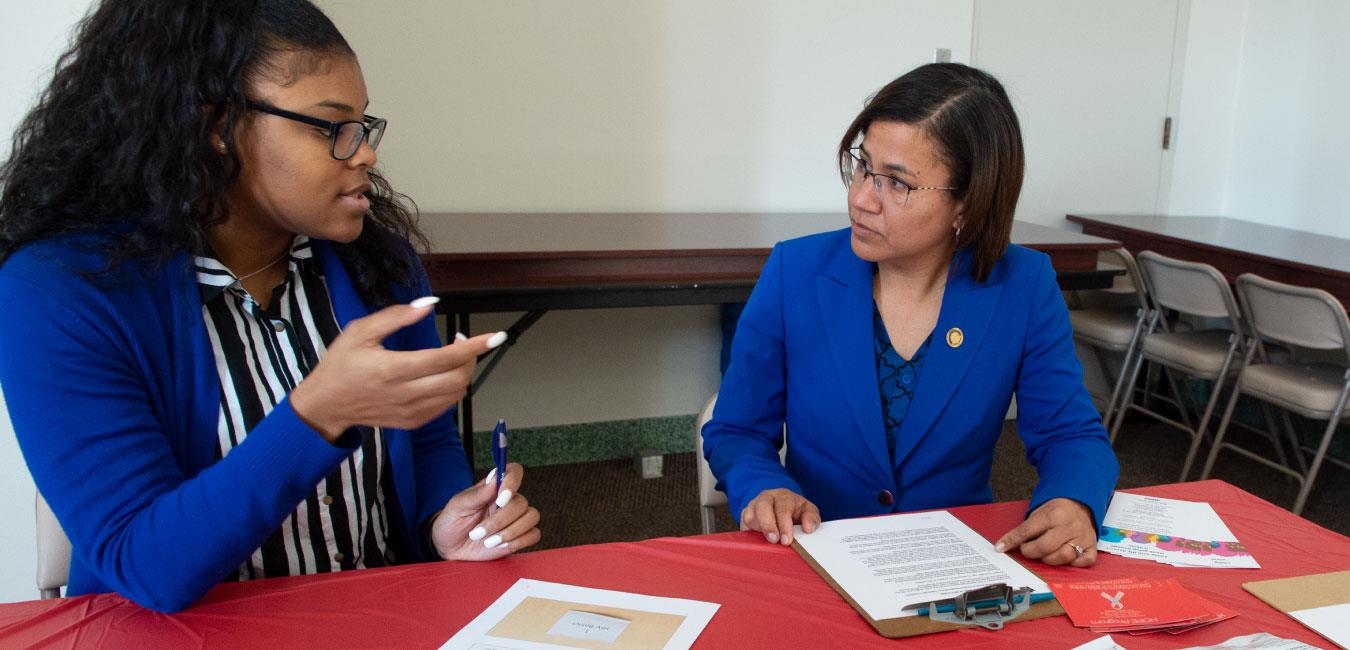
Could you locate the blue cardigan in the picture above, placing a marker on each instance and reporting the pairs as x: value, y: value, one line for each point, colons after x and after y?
x: 112, y: 387
x: 802, y: 355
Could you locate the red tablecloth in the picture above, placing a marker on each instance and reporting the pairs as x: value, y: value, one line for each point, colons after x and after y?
x: 769, y: 597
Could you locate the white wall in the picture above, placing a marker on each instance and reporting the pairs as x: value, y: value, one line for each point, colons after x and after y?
x: 1090, y: 83
x: 30, y: 41
x: 616, y: 106
x: 1202, y: 133
x: 697, y: 105
x: 1290, y: 163
x: 1263, y: 135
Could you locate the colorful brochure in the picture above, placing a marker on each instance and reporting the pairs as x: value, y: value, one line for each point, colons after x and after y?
x: 1171, y: 531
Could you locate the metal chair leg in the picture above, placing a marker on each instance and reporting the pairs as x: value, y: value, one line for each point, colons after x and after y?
x: 1199, y: 435
x: 1223, y: 424
x: 1113, y: 406
x: 1125, y: 401
x: 1330, y: 432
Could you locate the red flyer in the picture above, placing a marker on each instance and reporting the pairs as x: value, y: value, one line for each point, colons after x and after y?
x: 1130, y: 604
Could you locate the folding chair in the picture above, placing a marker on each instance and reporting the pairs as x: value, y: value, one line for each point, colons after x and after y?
x: 1297, y: 318
x: 709, y: 497
x: 1113, y: 321
x: 53, y: 552
x: 1198, y: 291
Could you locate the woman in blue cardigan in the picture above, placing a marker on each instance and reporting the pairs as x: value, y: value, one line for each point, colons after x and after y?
x: 889, y: 351
x: 217, y: 350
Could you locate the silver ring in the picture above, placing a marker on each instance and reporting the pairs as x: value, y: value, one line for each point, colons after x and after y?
x: 1076, y: 549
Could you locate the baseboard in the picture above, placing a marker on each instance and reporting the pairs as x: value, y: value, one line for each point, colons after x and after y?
x: 591, y: 441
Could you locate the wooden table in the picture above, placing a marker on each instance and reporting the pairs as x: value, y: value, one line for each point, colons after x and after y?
x: 535, y: 262
x: 769, y: 597
x: 1234, y: 247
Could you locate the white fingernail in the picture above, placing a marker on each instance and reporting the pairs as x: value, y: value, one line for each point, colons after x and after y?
x: 503, y: 497
x: 459, y: 336
x: 424, y: 301
x: 487, y: 480
x: 772, y: 537
x: 1000, y: 547
x: 492, y: 542
x: 477, y: 533
x: 496, y: 340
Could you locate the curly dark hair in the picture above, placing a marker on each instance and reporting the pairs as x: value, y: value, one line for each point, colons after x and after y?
x: 121, y: 139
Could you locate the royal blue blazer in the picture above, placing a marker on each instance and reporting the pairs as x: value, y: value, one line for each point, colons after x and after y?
x: 112, y: 387
x: 803, y: 356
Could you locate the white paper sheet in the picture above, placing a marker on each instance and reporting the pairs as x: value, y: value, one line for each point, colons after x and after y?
x: 885, y: 563
x: 613, y: 618
x: 1332, y: 622
x: 1188, y: 519
x: 1171, y: 531
x: 1258, y: 641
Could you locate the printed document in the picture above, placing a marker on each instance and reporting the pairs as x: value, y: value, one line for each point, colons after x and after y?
x: 537, y: 615
x: 1170, y: 531
x: 885, y: 563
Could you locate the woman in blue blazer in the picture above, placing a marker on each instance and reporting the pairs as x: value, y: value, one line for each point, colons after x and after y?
x: 207, y: 350
x: 890, y: 350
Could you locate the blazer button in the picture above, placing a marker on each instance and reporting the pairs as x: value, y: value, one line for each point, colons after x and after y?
x: 885, y: 497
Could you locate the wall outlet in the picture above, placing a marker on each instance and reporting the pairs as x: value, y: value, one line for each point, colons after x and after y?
x: 942, y: 55
x: 649, y: 463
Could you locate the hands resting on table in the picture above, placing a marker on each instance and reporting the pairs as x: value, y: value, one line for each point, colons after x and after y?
x: 1053, y: 533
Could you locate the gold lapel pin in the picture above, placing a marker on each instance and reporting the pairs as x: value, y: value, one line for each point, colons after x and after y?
x: 955, y: 337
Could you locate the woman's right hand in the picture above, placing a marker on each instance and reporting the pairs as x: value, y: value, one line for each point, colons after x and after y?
x: 359, y: 382
x: 774, y: 512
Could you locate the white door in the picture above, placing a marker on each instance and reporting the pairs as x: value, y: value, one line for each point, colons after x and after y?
x: 1090, y: 82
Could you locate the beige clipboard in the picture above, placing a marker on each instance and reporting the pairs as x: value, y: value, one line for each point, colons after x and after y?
x: 1303, y: 592
x: 894, y: 628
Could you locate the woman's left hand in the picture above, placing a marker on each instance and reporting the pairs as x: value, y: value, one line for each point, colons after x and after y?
x: 1059, y: 532
x: 482, y: 524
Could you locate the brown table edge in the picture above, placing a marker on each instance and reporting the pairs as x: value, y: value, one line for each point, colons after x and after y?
x: 1114, y: 231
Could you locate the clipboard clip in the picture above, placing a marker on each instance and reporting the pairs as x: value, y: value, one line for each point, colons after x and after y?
x: 988, y: 607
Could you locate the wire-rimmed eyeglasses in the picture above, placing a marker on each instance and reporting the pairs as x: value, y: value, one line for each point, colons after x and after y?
x: 853, y: 168
x: 345, y: 137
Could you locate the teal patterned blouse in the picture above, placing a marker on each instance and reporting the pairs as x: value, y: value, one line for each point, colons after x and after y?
x: 897, y: 378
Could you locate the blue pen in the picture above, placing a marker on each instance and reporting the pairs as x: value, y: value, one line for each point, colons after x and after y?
x: 499, y: 451
x: 948, y: 607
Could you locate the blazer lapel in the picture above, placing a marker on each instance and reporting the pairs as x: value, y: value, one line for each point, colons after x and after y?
x: 969, y: 307
x: 347, y: 306
x: 845, y: 293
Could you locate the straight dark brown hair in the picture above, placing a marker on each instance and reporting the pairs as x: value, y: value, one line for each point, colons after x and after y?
x: 968, y: 114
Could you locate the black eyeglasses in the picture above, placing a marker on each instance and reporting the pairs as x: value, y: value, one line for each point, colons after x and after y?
x: 346, y: 137
x: 853, y: 168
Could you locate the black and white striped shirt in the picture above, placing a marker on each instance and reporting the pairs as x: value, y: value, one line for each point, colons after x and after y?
x: 261, y: 355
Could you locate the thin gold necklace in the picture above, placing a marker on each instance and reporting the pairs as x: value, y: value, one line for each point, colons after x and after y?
x: 241, y: 278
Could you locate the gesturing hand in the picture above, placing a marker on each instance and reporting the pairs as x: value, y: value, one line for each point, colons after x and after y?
x: 1051, y: 532
x: 483, y: 524
x: 360, y: 382
x: 773, y: 512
